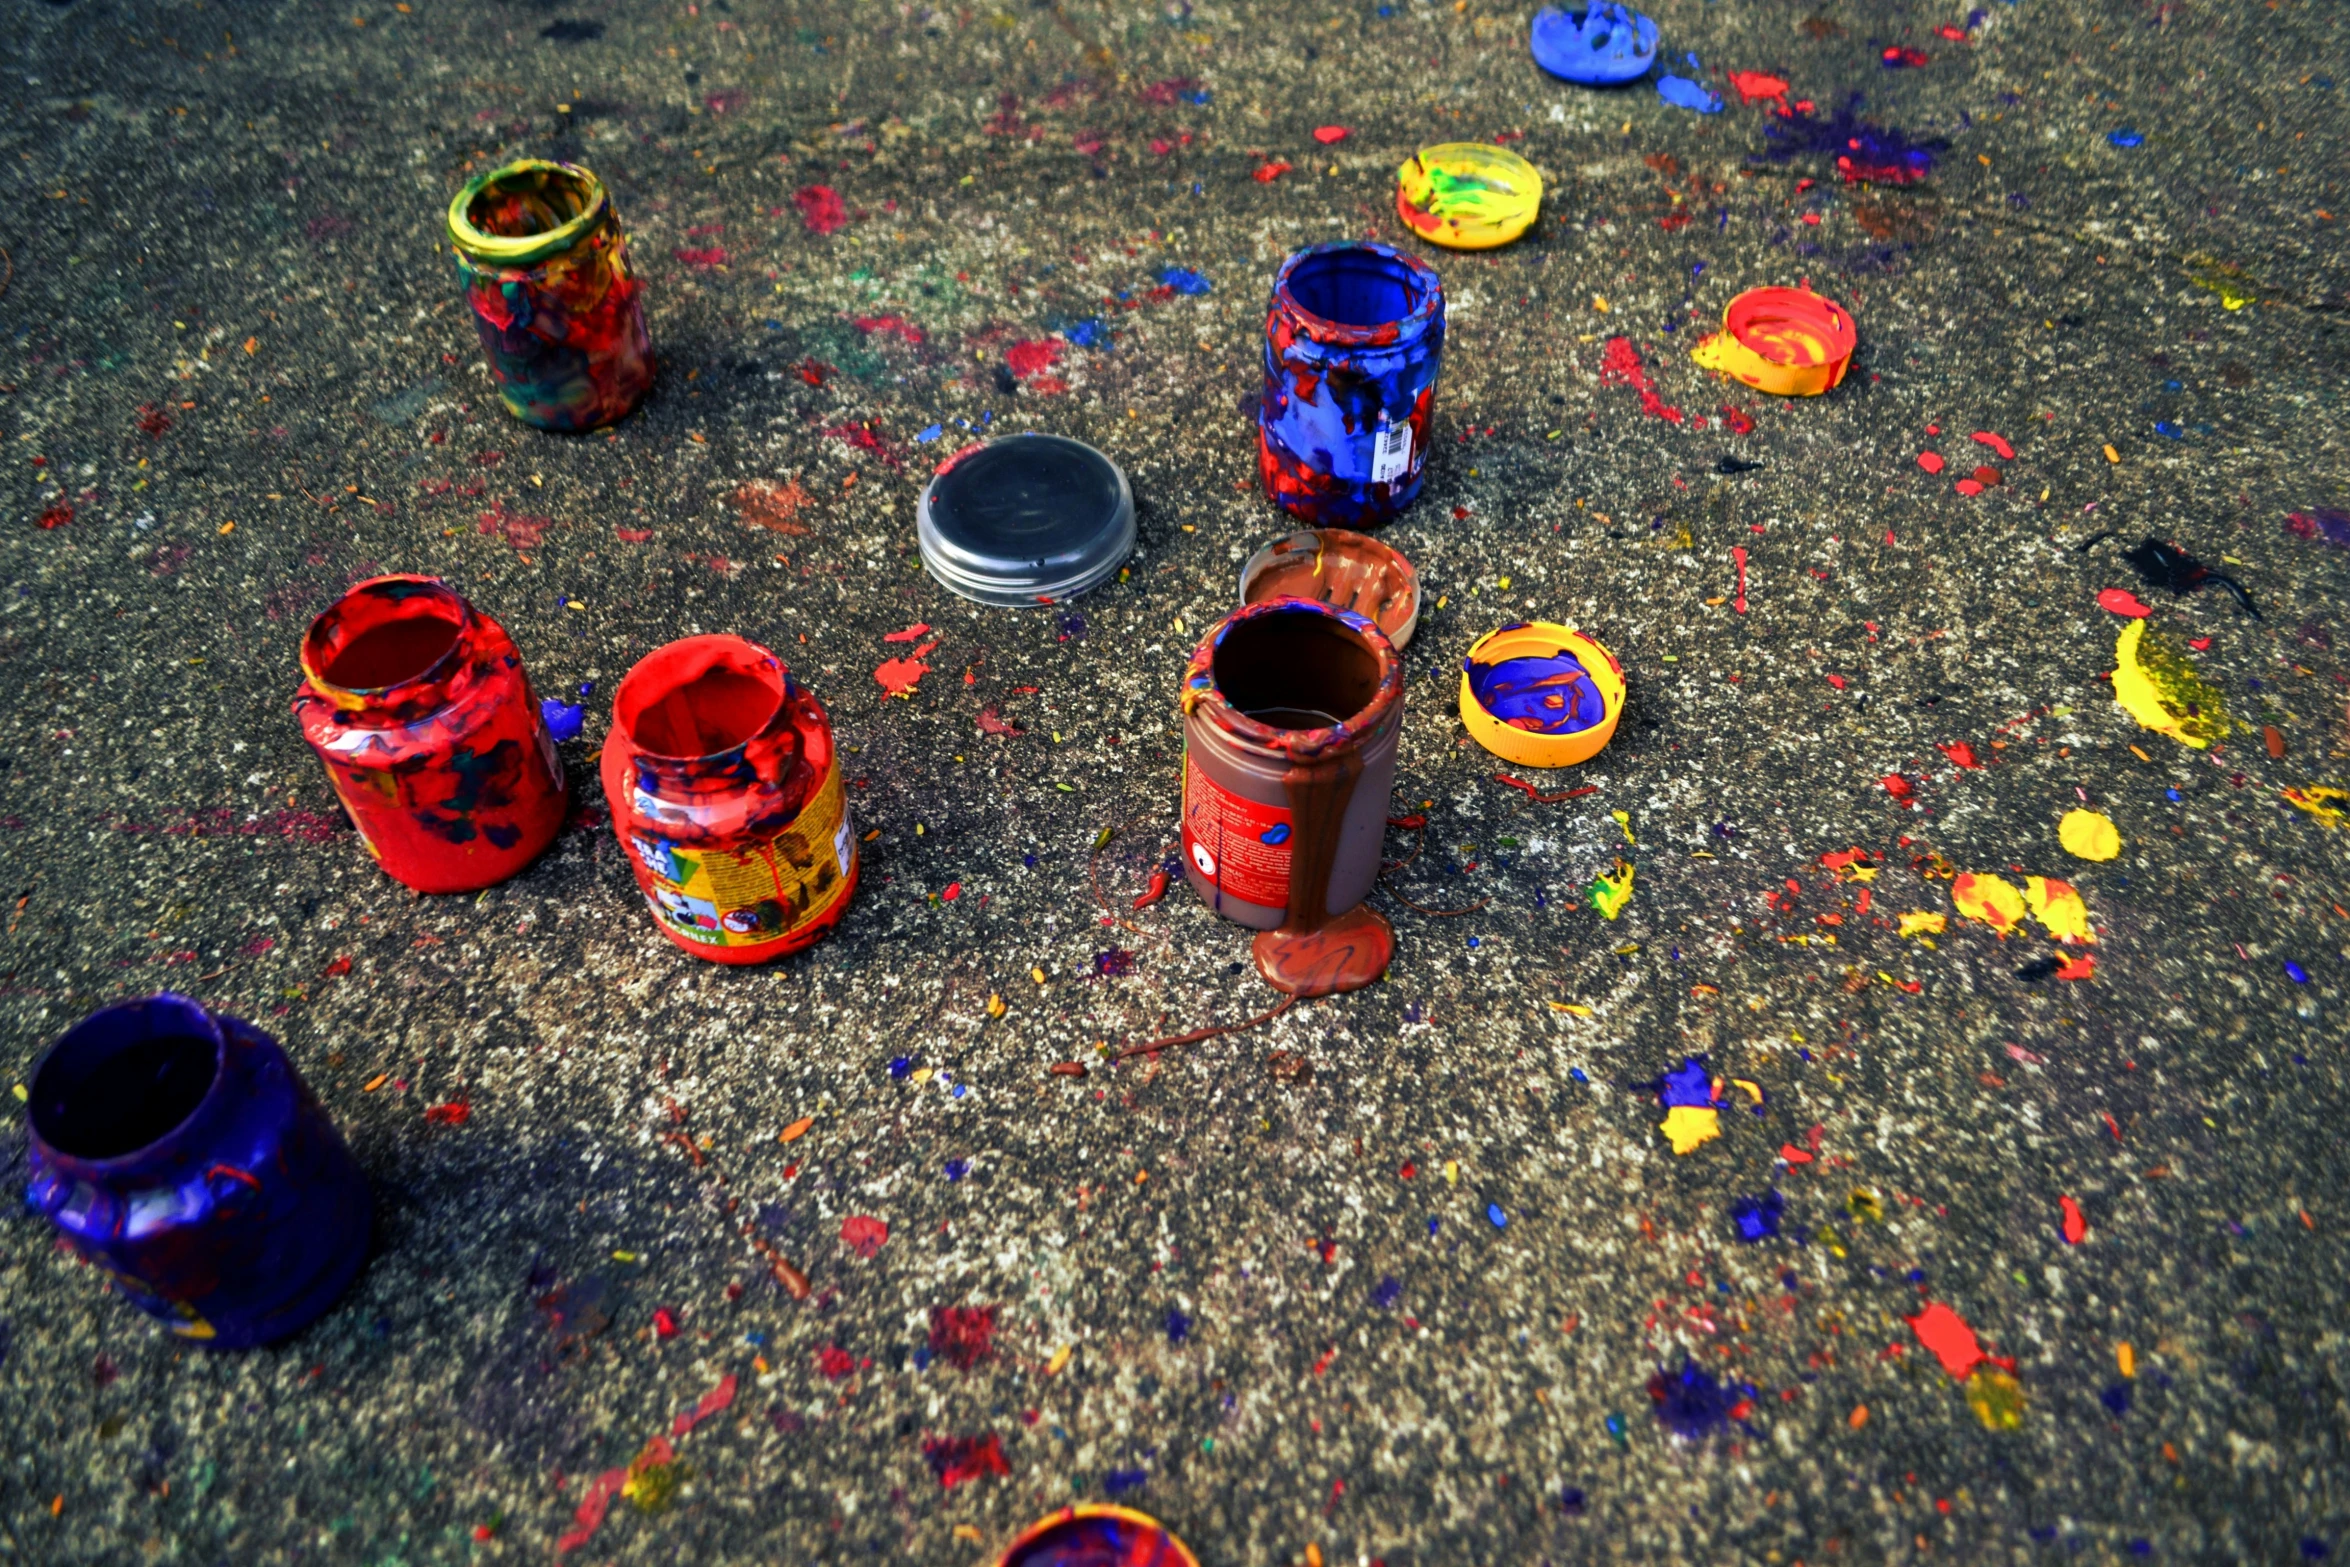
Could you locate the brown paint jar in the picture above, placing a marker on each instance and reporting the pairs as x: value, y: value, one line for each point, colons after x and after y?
x: 1292, y: 714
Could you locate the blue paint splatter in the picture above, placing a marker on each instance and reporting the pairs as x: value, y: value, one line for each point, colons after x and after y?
x: 1571, y: 1500
x: 929, y: 435
x: 2125, y: 138
x: 1178, y: 1327
x: 1120, y: 1481
x: 1092, y: 332
x: 2165, y: 427
x: 1758, y: 1217
x: 1691, y: 1403
x: 2116, y: 1398
x: 2296, y: 973
x: 901, y: 1067
x: 1880, y: 155
x: 1687, y: 1084
x: 1185, y: 281
x: 1682, y: 93
x: 564, y: 720
x: 1390, y: 1290
x: 1500, y: 1219
x: 958, y: 1168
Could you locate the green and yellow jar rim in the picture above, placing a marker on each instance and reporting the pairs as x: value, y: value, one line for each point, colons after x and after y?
x: 527, y: 176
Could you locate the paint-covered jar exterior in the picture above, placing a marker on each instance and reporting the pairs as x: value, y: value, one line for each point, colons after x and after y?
x: 1354, y: 337
x: 1293, y: 710
x: 419, y: 706
x: 179, y: 1151
x: 726, y: 793
x: 545, y: 267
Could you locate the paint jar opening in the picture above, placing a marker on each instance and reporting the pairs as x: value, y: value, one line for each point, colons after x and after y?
x: 384, y: 633
x: 700, y: 697
x: 126, y: 1078
x: 521, y: 203
x: 1357, y: 286
x: 1301, y: 670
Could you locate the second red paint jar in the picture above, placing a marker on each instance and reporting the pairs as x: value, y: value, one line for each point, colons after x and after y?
x: 418, y: 705
x: 725, y: 790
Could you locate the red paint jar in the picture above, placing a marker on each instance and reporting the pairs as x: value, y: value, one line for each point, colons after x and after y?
x: 418, y: 705
x: 726, y: 792
x: 1292, y: 713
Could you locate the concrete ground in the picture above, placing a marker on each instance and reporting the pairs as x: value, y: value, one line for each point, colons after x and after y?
x: 1408, y: 1276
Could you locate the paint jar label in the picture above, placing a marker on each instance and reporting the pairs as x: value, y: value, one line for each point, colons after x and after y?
x: 1240, y: 845
x: 752, y: 896
x: 1391, y: 451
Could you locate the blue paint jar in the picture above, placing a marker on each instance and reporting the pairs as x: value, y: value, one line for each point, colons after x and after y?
x: 178, y: 1150
x: 1354, y: 336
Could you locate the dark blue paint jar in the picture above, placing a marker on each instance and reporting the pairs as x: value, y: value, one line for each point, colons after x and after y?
x: 1354, y: 336
x: 179, y: 1150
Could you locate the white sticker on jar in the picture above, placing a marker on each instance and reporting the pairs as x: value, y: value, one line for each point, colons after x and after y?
x: 1391, y: 451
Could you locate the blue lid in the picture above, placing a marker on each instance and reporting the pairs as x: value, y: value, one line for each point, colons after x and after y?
x: 1602, y: 46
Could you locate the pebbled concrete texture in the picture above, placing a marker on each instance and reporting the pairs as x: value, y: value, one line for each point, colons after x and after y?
x: 1390, y: 1277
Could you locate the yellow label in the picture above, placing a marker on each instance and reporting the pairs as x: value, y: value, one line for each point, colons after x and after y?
x: 752, y: 896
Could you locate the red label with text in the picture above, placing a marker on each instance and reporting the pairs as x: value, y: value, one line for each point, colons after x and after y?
x: 1240, y: 845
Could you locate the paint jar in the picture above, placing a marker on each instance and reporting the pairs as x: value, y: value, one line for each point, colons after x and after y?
x: 1097, y: 1535
x: 1466, y: 195
x: 1292, y: 709
x: 1349, y: 570
x: 562, y: 318
x: 418, y: 705
x: 180, y: 1152
x: 726, y: 792
x: 1354, y: 335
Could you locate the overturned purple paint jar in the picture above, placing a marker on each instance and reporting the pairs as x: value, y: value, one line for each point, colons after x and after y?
x: 1354, y: 337
x: 179, y: 1150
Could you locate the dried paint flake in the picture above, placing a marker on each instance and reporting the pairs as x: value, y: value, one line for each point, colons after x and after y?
x: 1946, y: 1333
x: 1988, y: 899
x: 2089, y: 835
x: 2059, y: 909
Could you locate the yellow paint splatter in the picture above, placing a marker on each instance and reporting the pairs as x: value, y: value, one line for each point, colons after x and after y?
x: 1988, y: 899
x: 1609, y: 894
x: 1752, y: 1090
x: 1996, y: 1398
x: 2087, y: 835
x: 1865, y: 1205
x: 1624, y: 820
x: 1924, y: 921
x: 1570, y: 1006
x: 2126, y: 1358
x: 2163, y: 690
x: 797, y: 1130
x: 1690, y: 1127
x: 2059, y: 909
x: 1053, y: 1367
x: 2319, y: 801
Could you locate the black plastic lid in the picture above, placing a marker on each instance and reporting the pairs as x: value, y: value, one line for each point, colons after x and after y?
x: 1029, y: 519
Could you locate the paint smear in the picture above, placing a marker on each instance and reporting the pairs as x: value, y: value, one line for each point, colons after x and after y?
x: 1682, y: 93
x: 2319, y: 522
x: 1946, y: 1333
x: 1922, y: 922
x: 2324, y: 803
x: 1988, y: 899
x: 764, y: 504
x: 2059, y: 909
x: 2160, y: 688
x: 1758, y: 86
x: 1864, y: 153
x: 2121, y: 601
x: 1757, y: 1218
x: 2089, y: 835
x: 711, y: 1403
x: 1620, y: 366
x: 1692, y: 1404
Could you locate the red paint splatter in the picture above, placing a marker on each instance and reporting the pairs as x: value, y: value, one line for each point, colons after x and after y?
x: 592, y: 1508
x: 913, y: 633
x: 1793, y: 1154
x: 714, y: 256
x: 2123, y: 602
x: 835, y: 1362
x: 664, y: 1322
x: 711, y: 1403
x: 893, y: 326
x: 56, y: 516
x: 954, y: 890
x: 1969, y: 486
x: 2078, y: 968
x: 862, y: 1235
x: 455, y: 1113
x: 1738, y: 423
x: 1621, y: 366
x: 1898, y: 58
x: 520, y: 530
x: 955, y: 1459
x: 153, y: 420
x: 1987, y: 476
x: 337, y: 969
x: 632, y: 535
x: 1897, y: 786
x: 1330, y: 135
x: 1738, y: 554
x: 821, y: 209
x: 1754, y: 85
x: 1930, y: 461
x: 1961, y: 753
x: 899, y: 676
x: 993, y: 723
x: 1267, y: 173
x: 2076, y: 1224
x: 1030, y: 358
x: 962, y: 1336
x: 2005, y: 451
x: 1946, y: 1333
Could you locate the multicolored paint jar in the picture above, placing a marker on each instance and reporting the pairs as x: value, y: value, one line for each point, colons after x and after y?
x: 562, y: 318
x: 1095, y: 1535
x: 1789, y: 342
x: 418, y: 705
x: 726, y: 792
x: 179, y: 1151
x: 1292, y: 709
x: 1354, y: 336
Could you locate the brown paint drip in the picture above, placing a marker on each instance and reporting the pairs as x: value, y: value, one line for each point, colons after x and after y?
x: 1313, y: 954
x: 1372, y: 580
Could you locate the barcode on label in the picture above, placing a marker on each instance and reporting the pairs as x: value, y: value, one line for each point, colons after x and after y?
x: 1391, y: 453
